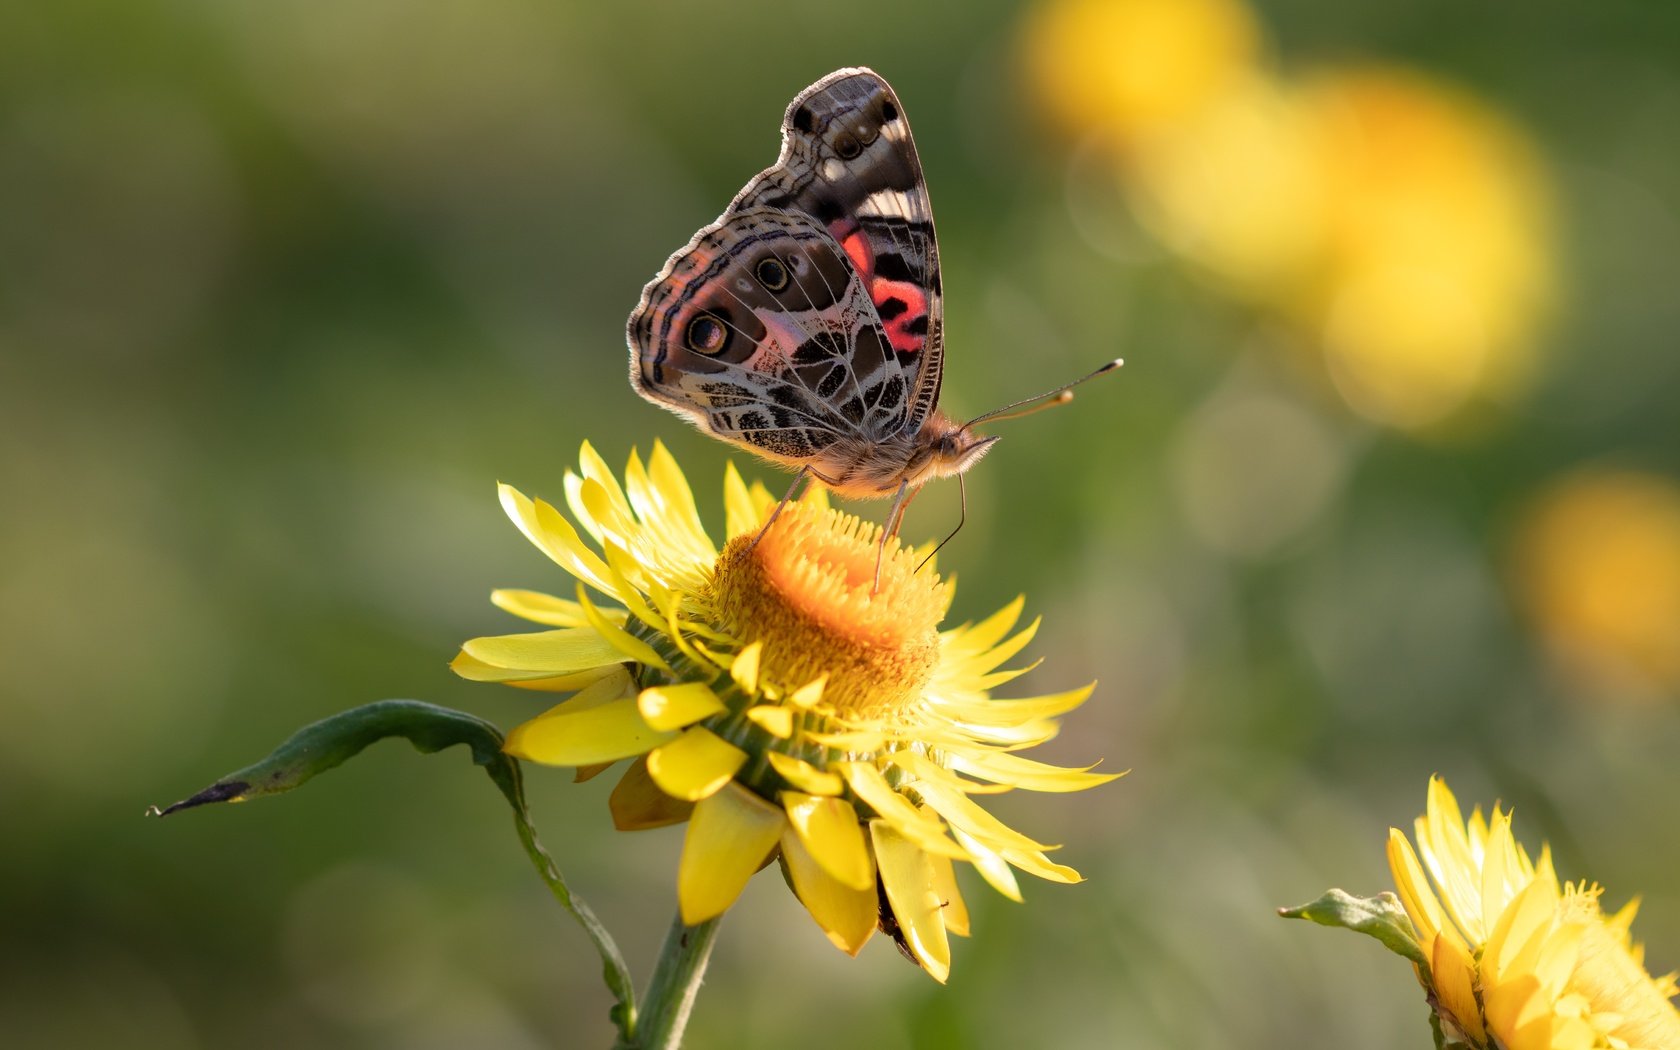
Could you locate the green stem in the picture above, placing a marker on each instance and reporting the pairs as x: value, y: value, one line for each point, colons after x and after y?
x: 676, y: 981
x: 613, y: 970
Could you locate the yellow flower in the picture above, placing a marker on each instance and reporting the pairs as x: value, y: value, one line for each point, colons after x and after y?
x: 1131, y: 68
x: 1439, y: 264
x: 1598, y: 566
x: 780, y: 703
x: 1264, y: 235
x: 1401, y: 226
x: 1517, y: 961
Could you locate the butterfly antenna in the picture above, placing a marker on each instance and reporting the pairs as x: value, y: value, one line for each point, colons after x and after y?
x: 1027, y: 406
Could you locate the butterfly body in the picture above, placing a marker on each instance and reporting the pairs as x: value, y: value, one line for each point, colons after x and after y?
x: 805, y: 324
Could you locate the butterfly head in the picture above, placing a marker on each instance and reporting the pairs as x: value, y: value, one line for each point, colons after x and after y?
x: 947, y: 449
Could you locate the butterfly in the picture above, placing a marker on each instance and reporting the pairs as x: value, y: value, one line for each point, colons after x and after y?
x: 806, y: 323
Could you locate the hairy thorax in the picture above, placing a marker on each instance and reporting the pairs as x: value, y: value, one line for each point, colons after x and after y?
x: 859, y: 469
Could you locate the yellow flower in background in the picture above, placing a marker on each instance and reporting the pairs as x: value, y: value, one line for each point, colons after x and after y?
x: 773, y: 698
x: 1438, y: 254
x: 1400, y: 226
x: 1133, y: 67
x: 1516, y: 960
x: 1598, y: 567
x: 1237, y: 187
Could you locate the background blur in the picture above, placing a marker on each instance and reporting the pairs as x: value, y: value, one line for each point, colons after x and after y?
x: 1386, y: 488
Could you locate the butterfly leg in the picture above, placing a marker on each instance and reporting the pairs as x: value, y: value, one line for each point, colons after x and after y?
x: 895, y: 518
x: 901, y: 503
x: 804, y: 472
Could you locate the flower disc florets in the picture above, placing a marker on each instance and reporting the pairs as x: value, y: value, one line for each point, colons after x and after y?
x: 806, y: 588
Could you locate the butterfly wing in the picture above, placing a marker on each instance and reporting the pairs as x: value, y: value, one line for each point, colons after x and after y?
x: 762, y: 331
x: 849, y: 162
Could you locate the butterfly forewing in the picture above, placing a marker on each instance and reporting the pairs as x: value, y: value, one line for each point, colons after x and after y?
x: 849, y: 161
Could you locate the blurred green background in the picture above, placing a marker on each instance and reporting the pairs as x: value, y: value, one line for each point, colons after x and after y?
x: 285, y: 287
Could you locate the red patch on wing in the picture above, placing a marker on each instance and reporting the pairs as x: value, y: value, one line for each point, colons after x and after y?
x: 899, y: 333
x: 863, y: 256
x: 881, y: 291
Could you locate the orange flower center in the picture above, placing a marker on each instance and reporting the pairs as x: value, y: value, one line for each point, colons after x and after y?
x: 806, y: 589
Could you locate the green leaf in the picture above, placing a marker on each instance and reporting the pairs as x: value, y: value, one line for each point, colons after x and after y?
x: 316, y: 748
x: 1381, y: 917
x: 1384, y: 918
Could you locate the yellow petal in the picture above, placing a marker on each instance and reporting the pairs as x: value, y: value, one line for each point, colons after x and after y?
x: 860, y: 741
x: 744, y: 669
x: 804, y: 776
x: 846, y: 915
x: 871, y: 786
x: 987, y: 632
x: 1518, y: 1014
x: 554, y: 536
x: 729, y: 836
x: 907, y: 874
x: 584, y: 774
x: 545, y: 652
x: 992, y: 711
x: 1035, y: 863
x: 1414, y: 892
x: 741, y: 514
x: 637, y: 803
x: 1445, y: 848
x: 1454, y: 974
x: 616, y: 508
x: 626, y: 643
x: 1499, y: 867
x: 614, y: 684
x: 675, y: 706
x: 917, y: 764
x: 695, y: 764
x: 991, y: 865
x: 810, y: 694
x: 631, y: 580
x: 761, y: 498
x: 1516, y: 938
x: 963, y: 812
x: 676, y: 500
x: 566, y: 683
x: 830, y: 832
x: 945, y: 887
x: 774, y: 719
x: 1001, y: 767
x: 539, y: 607
x: 676, y: 629
x: 605, y: 733
x: 475, y: 670
x: 993, y: 658
x: 670, y: 533
x: 1000, y: 678
x: 815, y: 496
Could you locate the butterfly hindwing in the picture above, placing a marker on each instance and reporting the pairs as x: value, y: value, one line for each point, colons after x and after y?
x: 763, y: 332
